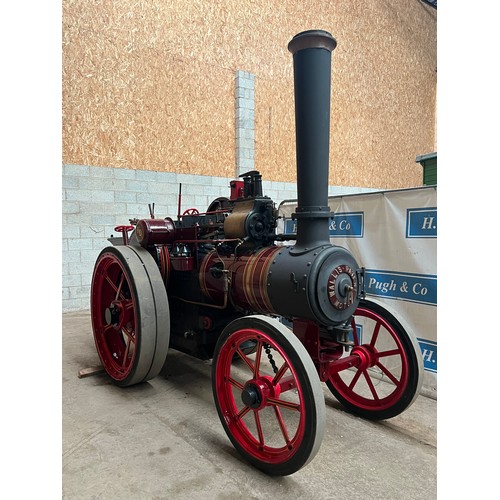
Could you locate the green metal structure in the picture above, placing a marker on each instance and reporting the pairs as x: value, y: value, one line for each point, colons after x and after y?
x: 429, y: 165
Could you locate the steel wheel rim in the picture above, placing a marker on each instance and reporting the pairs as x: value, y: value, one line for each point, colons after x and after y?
x: 238, y: 416
x: 371, y: 360
x: 114, y: 316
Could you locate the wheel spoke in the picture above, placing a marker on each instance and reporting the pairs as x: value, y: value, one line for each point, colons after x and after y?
x: 355, y: 379
x: 129, y: 335
x: 119, y: 289
x: 258, y: 354
x: 242, y: 412
x: 376, y: 331
x: 108, y: 328
x: 370, y: 385
x: 283, y: 404
x: 111, y: 282
x: 125, y: 355
x: 128, y: 304
x: 384, y: 354
x: 282, y: 425
x: 280, y: 373
x: 235, y: 383
x: 242, y: 355
x: 392, y: 378
x: 259, y: 428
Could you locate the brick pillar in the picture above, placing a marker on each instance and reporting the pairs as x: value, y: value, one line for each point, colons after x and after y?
x: 245, y: 117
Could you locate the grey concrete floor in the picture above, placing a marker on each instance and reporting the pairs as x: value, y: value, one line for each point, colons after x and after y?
x: 163, y: 440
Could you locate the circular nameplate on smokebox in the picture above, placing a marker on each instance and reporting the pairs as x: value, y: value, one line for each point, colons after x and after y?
x: 341, y: 287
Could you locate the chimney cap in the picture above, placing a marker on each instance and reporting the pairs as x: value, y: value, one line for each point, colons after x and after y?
x: 312, y: 39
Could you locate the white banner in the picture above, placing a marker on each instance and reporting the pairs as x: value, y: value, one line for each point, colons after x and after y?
x: 393, y: 234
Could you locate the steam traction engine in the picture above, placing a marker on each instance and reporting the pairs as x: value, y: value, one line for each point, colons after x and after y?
x: 221, y: 285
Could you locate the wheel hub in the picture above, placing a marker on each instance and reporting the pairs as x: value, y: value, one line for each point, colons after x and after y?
x: 112, y: 314
x: 256, y: 392
x: 116, y: 315
x: 251, y: 396
x: 367, y: 356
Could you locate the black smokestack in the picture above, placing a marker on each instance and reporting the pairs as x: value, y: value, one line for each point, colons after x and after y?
x: 312, y: 52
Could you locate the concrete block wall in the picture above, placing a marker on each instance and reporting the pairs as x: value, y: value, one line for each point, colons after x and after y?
x: 245, y: 121
x: 97, y: 199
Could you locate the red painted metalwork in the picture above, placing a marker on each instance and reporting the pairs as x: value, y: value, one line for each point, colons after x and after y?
x: 114, y: 316
x: 380, y: 365
x: 191, y: 211
x: 182, y: 263
x: 165, y: 264
x: 236, y: 190
x: 236, y: 386
x: 323, y: 352
x: 155, y: 231
x: 124, y: 230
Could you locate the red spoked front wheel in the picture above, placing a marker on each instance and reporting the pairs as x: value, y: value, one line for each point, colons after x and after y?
x: 130, y: 314
x: 268, y: 395
x: 385, y: 375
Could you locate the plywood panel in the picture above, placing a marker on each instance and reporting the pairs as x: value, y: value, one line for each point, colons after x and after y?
x: 149, y: 84
x: 138, y: 108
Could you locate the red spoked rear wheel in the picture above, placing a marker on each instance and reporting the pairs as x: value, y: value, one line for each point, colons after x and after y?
x: 387, y: 375
x: 130, y: 314
x: 269, y: 397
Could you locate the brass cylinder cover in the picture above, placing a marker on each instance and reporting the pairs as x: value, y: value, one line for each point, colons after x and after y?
x: 234, y: 224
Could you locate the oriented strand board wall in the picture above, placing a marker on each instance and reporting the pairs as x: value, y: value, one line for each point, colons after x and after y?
x: 150, y: 85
